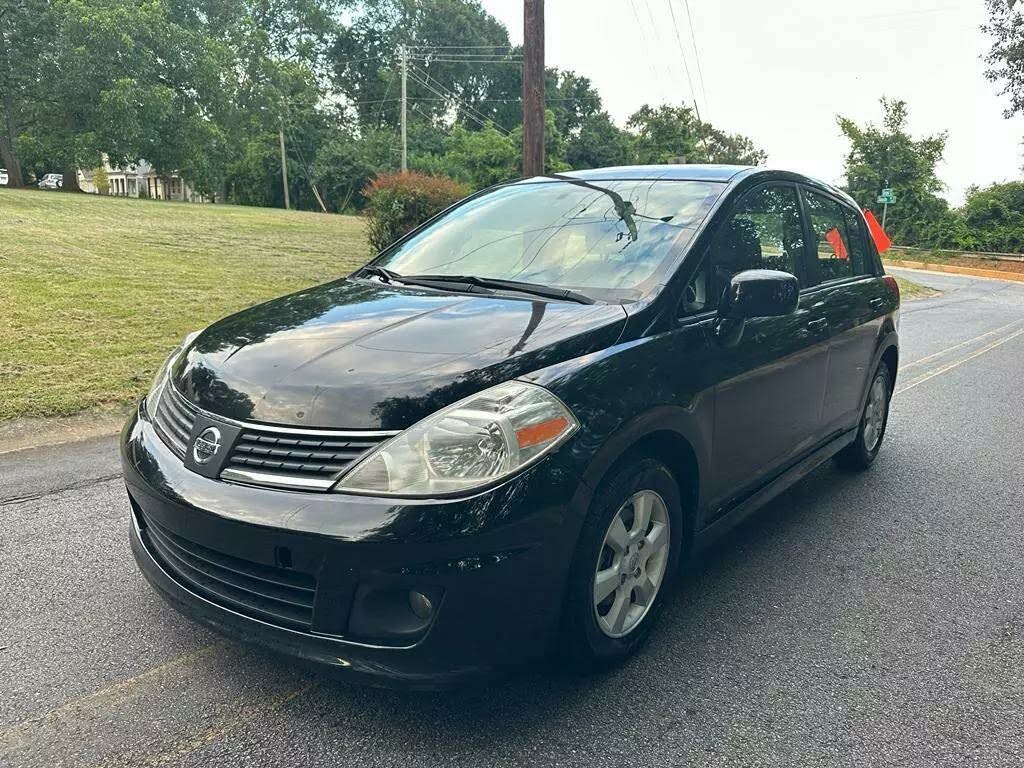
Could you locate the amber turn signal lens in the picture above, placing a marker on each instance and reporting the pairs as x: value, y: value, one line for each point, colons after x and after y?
x: 541, y: 433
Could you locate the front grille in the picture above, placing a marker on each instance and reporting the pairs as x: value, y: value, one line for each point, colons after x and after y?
x: 173, y: 420
x: 278, y: 596
x: 268, y: 456
x: 293, y: 460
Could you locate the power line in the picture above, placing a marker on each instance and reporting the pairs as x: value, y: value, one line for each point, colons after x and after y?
x: 693, y: 92
x: 682, y: 54
x: 696, y: 53
x: 480, y: 117
x: 477, y: 117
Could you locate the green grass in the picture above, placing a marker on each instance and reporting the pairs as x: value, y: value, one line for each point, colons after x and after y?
x: 94, y: 291
x: 910, y: 290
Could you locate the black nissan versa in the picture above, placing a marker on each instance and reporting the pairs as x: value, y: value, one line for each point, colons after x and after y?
x: 501, y: 436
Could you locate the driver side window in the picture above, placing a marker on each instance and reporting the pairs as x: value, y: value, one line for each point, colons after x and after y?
x: 764, y: 232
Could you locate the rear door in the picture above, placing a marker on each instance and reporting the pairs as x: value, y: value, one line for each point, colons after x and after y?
x: 771, y: 384
x: 852, y: 295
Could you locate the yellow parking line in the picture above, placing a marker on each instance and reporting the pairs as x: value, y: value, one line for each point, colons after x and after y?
x: 960, y: 362
x: 957, y: 346
x: 16, y: 735
x: 232, y: 722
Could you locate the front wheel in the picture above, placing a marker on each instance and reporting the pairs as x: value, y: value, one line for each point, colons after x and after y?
x: 861, y: 453
x: 627, y: 552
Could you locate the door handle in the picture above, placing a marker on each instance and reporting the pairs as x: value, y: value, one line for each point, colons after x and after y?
x: 819, y: 325
x: 877, y: 303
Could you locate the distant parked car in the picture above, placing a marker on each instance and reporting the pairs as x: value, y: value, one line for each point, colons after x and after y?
x: 52, y: 181
x: 3, y: 177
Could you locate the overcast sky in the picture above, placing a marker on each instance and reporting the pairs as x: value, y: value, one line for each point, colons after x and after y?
x: 780, y: 71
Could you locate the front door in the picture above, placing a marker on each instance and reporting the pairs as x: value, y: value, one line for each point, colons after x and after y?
x: 770, y: 386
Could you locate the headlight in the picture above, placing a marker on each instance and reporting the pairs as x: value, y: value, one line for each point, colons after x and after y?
x: 472, y: 443
x: 161, y: 374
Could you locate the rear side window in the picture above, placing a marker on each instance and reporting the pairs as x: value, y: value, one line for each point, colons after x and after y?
x: 838, y: 254
x: 859, y: 253
x: 764, y: 232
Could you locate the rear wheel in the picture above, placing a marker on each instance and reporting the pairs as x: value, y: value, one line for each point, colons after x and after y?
x: 627, y: 552
x: 861, y: 453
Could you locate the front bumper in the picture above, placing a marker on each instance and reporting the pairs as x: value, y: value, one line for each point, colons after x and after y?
x: 494, y: 564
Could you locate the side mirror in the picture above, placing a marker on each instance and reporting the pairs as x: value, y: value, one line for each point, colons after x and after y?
x: 754, y: 293
x: 760, y: 293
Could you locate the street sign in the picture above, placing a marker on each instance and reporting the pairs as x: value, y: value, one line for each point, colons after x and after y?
x: 888, y: 196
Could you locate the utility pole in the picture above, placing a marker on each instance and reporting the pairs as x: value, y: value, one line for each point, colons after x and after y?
x: 404, y: 57
x: 533, y: 87
x: 284, y: 165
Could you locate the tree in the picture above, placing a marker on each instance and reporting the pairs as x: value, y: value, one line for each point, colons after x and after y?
x: 728, y: 148
x: 886, y: 155
x: 364, y: 59
x: 100, y: 179
x: 664, y: 134
x: 600, y: 144
x: 23, y: 24
x: 1006, y: 56
x: 993, y: 218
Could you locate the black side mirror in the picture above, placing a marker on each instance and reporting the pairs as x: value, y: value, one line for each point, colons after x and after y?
x: 760, y: 293
x: 755, y: 293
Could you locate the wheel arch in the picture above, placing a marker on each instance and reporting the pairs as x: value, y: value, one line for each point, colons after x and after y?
x: 668, y: 435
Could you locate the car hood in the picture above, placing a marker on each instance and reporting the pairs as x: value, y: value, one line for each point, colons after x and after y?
x: 357, y: 354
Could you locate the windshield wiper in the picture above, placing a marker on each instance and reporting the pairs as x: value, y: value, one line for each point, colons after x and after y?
x: 447, y: 283
x: 384, y: 274
x: 534, y: 289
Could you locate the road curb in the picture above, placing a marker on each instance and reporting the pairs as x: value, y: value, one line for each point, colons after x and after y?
x: 30, y: 432
x: 929, y: 266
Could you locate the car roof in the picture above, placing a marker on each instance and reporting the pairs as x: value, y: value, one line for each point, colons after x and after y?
x: 727, y: 174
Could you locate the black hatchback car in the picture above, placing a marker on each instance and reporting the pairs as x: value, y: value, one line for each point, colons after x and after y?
x: 501, y: 436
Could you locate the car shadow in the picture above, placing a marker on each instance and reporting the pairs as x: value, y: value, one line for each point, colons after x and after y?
x: 740, y: 568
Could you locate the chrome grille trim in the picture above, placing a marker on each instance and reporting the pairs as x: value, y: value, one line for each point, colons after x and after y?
x: 296, y: 461
x: 270, y: 456
x: 173, y: 420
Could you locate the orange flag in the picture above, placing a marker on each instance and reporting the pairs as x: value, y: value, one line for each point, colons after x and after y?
x: 882, y: 240
x: 835, y: 239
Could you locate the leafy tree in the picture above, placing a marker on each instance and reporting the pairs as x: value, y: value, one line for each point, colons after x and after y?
x: 886, y: 155
x: 23, y: 25
x: 1006, y: 56
x: 478, y: 158
x: 363, y: 57
x: 571, y: 98
x: 600, y: 144
x: 100, y: 179
x: 664, y: 134
x: 728, y: 148
x: 993, y: 219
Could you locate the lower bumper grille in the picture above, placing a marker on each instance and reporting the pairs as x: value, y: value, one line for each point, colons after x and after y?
x: 274, y: 595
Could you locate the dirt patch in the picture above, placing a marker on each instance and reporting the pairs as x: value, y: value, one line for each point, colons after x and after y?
x: 20, y: 434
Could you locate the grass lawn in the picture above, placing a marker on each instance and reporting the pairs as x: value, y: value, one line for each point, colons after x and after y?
x: 910, y: 290
x: 94, y: 291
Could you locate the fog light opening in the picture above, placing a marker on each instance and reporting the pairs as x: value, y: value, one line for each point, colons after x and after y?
x: 420, y: 604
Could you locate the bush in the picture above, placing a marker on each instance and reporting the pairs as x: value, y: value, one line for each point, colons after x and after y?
x: 400, y: 202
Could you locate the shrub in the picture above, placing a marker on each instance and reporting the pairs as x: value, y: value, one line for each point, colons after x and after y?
x: 399, y: 202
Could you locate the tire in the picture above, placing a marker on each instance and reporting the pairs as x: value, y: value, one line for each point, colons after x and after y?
x: 587, y: 640
x: 861, y: 453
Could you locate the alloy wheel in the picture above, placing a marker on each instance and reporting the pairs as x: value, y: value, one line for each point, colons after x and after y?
x: 631, y: 564
x: 874, y: 414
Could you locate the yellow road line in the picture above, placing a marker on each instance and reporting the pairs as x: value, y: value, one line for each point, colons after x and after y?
x: 17, y: 735
x: 960, y: 362
x: 231, y: 722
x: 957, y: 346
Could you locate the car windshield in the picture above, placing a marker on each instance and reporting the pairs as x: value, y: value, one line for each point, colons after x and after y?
x: 607, y: 239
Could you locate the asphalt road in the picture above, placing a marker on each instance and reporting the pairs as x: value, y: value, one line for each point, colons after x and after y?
x: 857, y: 620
